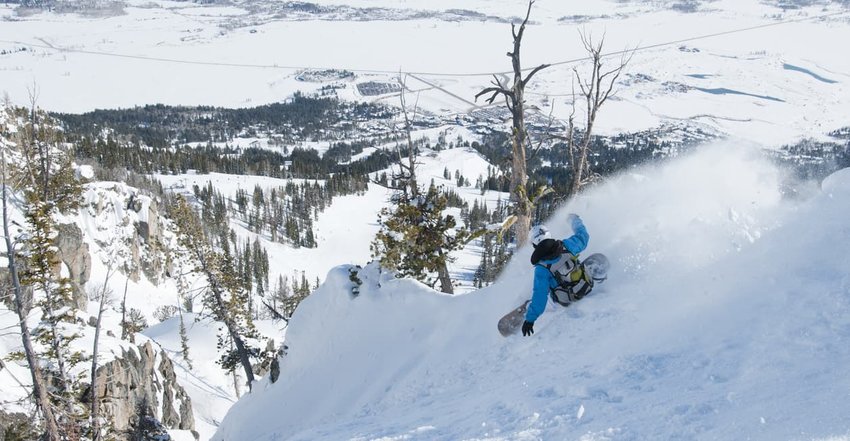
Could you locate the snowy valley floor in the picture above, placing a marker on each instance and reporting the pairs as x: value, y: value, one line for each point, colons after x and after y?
x: 726, y: 316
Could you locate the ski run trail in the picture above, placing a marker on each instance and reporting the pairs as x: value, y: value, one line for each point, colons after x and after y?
x: 726, y: 316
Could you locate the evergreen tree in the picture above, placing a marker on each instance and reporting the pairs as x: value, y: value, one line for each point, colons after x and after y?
x: 50, y: 189
x: 39, y: 382
x: 415, y: 238
x: 225, y: 298
x: 134, y: 323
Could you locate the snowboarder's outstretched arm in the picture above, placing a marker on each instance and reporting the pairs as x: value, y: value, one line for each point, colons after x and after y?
x: 578, y: 241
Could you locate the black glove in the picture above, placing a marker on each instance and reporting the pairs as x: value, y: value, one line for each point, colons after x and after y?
x: 527, y: 328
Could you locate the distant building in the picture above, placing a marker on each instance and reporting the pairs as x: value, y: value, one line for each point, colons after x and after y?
x: 374, y: 88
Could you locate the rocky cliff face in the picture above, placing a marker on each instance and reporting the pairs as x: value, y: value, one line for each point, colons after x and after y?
x: 73, y: 252
x: 143, y: 375
x: 125, y: 230
x: 113, y: 212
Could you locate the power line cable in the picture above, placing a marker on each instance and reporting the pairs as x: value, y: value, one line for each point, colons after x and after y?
x: 701, y: 37
x: 432, y: 74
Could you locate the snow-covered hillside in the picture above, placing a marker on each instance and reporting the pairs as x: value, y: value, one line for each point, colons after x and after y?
x: 346, y: 228
x: 125, y: 243
x: 773, y: 79
x: 107, y: 251
x: 726, y: 316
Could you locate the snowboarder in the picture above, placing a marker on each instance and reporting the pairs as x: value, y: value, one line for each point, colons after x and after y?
x: 557, y: 270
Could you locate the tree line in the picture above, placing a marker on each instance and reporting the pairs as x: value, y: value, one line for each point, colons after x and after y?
x: 301, y: 118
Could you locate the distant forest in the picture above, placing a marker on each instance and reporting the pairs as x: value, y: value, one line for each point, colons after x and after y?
x: 172, y: 140
x: 156, y: 138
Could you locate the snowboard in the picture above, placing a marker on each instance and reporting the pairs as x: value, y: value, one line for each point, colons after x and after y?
x: 512, y: 321
x: 596, y: 265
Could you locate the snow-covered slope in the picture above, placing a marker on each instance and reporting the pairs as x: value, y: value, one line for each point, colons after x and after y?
x: 726, y: 316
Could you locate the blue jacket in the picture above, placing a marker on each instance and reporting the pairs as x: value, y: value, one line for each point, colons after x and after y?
x: 543, y: 278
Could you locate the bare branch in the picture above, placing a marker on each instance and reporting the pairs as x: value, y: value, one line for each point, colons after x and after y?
x: 497, y: 89
x: 547, y: 134
x: 534, y: 71
x: 581, y: 85
x: 495, y: 93
x: 524, y: 22
x: 274, y: 312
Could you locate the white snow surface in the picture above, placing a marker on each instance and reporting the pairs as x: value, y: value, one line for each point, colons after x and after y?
x: 777, y: 82
x: 726, y: 315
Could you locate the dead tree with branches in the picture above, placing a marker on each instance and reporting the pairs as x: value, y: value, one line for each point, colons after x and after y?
x: 595, y: 90
x: 514, y: 96
x: 408, y: 171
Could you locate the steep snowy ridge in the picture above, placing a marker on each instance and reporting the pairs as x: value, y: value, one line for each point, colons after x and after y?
x: 726, y: 316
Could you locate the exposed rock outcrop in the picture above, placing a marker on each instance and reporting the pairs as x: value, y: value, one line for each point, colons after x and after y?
x: 73, y: 252
x: 119, y: 212
x: 143, y: 375
x: 14, y: 426
x: 6, y: 286
x: 152, y: 258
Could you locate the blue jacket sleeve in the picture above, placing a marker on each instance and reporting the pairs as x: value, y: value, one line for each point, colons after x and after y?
x: 539, y: 294
x: 578, y: 241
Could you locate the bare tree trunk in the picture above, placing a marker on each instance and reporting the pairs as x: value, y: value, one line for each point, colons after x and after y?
x: 236, y: 382
x: 42, y: 401
x: 243, y: 354
x: 216, y: 287
x: 124, y: 306
x: 519, y: 171
x: 408, y: 172
x: 445, y: 279
x: 104, y: 293
x: 515, y: 101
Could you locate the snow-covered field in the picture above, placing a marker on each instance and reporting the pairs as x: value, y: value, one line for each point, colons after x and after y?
x: 773, y: 84
x: 726, y: 316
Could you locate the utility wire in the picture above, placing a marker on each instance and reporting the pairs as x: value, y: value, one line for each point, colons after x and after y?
x: 700, y: 37
x: 432, y: 74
